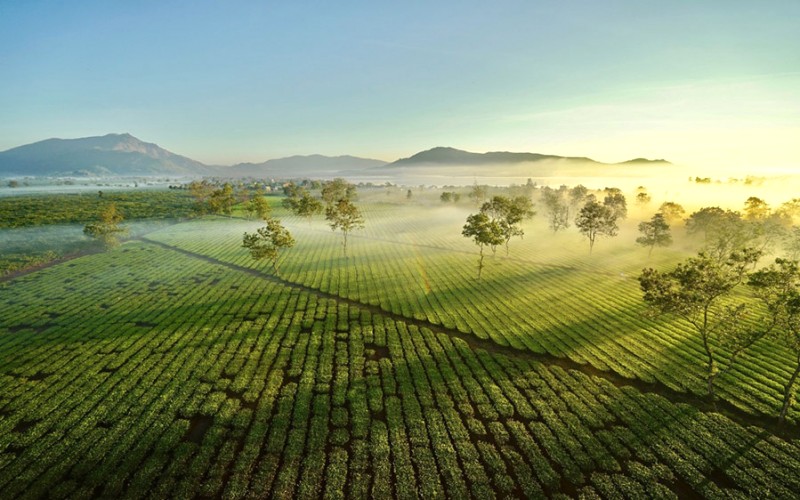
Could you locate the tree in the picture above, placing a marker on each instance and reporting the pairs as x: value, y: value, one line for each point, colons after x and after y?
x: 201, y: 191
x: 673, y: 212
x: 107, y: 230
x: 344, y: 216
x: 778, y: 287
x: 258, y: 205
x: 222, y: 200
x: 578, y: 196
x: 755, y: 209
x: 446, y: 196
x: 642, y: 199
x: 596, y: 220
x: 509, y: 213
x: 336, y: 190
x: 723, y: 231
x: 654, y: 233
x: 268, y: 241
x: 484, y: 231
x: 300, y: 201
x: 556, y: 208
x: 615, y: 201
x: 409, y: 194
x: 478, y: 193
x: 700, y: 292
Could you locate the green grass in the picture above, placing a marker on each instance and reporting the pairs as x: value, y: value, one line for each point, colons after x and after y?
x: 149, y: 372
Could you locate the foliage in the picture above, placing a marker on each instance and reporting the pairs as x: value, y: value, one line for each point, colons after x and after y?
x: 556, y: 208
x: 643, y: 199
x: 301, y: 202
x: 107, y: 229
x: 222, y: 199
x: 450, y: 196
x: 778, y: 287
x: 596, y: 220
x: 478, y: 193
x: 338, y: 189
x: 699, y: 291
x: 655, y: 232
x: 723, y: 231
x: 615, y: 201
x: 673, y: 212
x: 268, y: 241
x: 484, y: 231
x: 258, y: 206
x: 344, y: 216
x: 509, y: 213
x: 40, y: 210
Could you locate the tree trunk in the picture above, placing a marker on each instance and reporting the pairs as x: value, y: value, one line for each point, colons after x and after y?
x: 711, y: 364
x: 480, y: 263
x: 787, y: 392
x: 344, y: 243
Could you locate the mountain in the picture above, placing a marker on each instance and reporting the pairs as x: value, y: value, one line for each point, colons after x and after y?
x: 451, y: 156
x: 109, y: 155
x: 303, y: 166
x: 444, y: 156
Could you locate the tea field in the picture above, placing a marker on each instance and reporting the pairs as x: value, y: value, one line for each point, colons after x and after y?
x: 175, y: 366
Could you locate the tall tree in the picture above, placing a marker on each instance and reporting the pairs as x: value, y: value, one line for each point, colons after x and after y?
x: 258, y: 206
x: 268, y: 241
x: 556, y: 208
x: 655, y: 233
x: 484, y: 231
x: 509, y: 213
x: 201, y: 192
x: 578, y: 196
x: 344, y: 216
x: 700, y: 292
x: 723, y: 231
x: 615, y: 201
x: 222, y: 200
x: 596, y: 220
x: 302, y: 203
x: 778, y: 287
x: 478, y: 193
x: 336, y: 190
x: 673, y: 212
x: 107, y: 229
x: 643, y: 199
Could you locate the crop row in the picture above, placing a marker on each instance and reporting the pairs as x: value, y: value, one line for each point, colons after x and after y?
x: 578, y: 312
x: 152, y: 373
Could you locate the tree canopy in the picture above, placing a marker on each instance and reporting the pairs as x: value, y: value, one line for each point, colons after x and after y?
x: 267, y: 242
x: 596, y: 220
x: 107, y: 229
x: 655, y: 233
x: 484, y: 231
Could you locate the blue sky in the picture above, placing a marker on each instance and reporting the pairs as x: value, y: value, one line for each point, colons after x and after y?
x: 712, y: 83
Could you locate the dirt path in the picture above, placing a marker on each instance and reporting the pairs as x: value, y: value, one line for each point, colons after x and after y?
x: 767, y: 422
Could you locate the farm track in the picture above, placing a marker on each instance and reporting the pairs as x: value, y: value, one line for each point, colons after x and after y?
x: 766, y: 422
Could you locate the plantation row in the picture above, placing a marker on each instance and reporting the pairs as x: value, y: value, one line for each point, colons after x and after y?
x: 147, y: 373
x: 599, y: 318
x: 38, y: 210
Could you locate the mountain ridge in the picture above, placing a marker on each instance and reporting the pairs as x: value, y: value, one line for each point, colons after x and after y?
x: 123, y: 154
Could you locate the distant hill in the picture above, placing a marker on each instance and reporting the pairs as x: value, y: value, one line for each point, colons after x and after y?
x: 108, y: 155
x: 444, y: 156
x: 125, y: 155
x: 302, y: 166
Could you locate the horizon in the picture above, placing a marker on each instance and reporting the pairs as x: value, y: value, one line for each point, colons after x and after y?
x: 709, y: 86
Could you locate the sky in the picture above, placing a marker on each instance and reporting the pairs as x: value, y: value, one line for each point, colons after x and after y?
x: 713, y: 84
